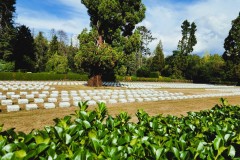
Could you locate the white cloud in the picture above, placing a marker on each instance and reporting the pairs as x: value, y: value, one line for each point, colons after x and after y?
x: 212, y: 17
x: 45, y: 21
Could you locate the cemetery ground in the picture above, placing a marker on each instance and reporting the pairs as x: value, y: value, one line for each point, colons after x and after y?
x: 36, y: 119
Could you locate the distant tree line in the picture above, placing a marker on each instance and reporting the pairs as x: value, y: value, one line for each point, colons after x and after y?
x: 114, y: 45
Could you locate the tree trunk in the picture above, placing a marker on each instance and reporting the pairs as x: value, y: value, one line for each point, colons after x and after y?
x: 95, y: 81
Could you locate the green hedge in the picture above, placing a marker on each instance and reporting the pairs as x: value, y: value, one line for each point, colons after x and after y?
x: 143, y: 79
x: 41, y: 76
x: 210, y: 134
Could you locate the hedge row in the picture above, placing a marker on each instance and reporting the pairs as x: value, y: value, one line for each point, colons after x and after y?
x: 143, y: 79
x: 42, y: 76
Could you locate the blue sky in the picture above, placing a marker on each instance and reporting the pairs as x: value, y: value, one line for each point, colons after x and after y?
x: 163, y: 17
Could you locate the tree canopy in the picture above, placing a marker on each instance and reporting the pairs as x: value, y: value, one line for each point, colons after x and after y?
x: 7, y: 30
x: 232, y: 42
x: 188, y: 41
x: 158, y: 59
x: 111, y: 36
x: 24, y: 50
x: 113, y: 17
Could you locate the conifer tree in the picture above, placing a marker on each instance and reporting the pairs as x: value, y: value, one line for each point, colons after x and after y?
x: 7, y: 30
x: 232, y: 42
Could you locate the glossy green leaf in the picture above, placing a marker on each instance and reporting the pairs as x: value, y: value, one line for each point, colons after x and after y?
x: 86, y: 124
x: 68, y: 139
x: 96, y: 145
x: 231, y: 151
x: 176, y: 152
x: 39, y: 139
x: 20, y: 154
x: 59, y: 131
x: 9, y: 147
x: 41, y: 148
x: 8, y: 156
x: 217, y: 143
x: 159, y: 152
x: 201, y: 146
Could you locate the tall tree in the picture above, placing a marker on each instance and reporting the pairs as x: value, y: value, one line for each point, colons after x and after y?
x: 110, y: 16
x: 188, y: 41
x: 24, y: 49
x: 41, y: 44
x: 112, y: 23
x: 158, y: 61
x: 146, y: 38
x: 7, y: 30
x: 232, y: 42
x: 53, y: 46
x: 95, y: 60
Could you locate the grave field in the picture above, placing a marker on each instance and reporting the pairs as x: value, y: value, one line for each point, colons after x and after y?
x: 154, y: 98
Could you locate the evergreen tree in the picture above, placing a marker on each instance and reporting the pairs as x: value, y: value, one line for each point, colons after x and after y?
x: 41, y: 44
x: 112, y: 25
x: 71, y: 53
x: 24, y: 49
x: 7, y: 30
x: 232, y: 42
x: 188, y: 41
x: 158, y: 61
x: 146, y: 38
x: 53, y: 46
x: 110, y: 17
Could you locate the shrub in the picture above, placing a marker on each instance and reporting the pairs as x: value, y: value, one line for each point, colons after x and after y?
x: 211, y: 134
x: 143, y: 72
x: 42, y: 76
x: 57, y: 64
x: 154, y: 75
x: 6, y: 66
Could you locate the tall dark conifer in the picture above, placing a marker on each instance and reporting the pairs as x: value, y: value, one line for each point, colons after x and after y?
x: 232, y: 42
x: 7, y: 30
x: 188, y: 41
x: 24, y: 50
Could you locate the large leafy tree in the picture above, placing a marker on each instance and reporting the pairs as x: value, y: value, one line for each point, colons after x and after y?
x: 232, y: 42
x: 7, y: 30
x: 158, y: 61
x: 95, y: 60
x: 57, y: 64
x: 188, y: 41
x: 112, y: 23
x: 41, y: 44
x: 111, y: 16
x: 24, y: 49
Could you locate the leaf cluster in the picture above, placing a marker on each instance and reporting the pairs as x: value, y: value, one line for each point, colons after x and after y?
x: 211, y: 134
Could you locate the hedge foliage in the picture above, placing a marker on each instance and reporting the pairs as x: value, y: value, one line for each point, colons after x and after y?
x: 211, y: 134
x: 143, y: 79
x: 41, y: 76
x: 154, y: 75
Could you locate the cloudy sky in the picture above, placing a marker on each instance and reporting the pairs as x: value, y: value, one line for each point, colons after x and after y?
x: 163, y: 17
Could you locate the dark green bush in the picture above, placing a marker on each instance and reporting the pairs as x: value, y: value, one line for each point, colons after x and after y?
x: 154, y: 75
x: 143, y: 72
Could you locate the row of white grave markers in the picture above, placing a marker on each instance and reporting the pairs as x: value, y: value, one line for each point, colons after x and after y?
x: 161, y: 85
x: 32, y: 85
x: 41, y: 85
x: 52, y: 99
